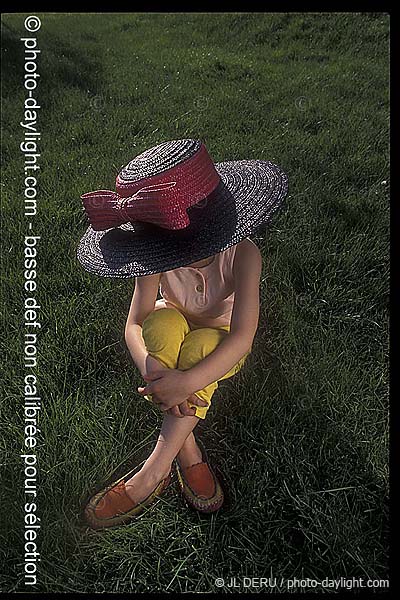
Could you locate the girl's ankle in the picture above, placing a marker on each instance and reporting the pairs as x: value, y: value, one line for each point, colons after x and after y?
x: 156, y: 472
x: 189, y: 455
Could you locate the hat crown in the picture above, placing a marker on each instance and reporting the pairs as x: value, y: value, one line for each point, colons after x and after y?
x: 164, y: 182
x: 159, y: 158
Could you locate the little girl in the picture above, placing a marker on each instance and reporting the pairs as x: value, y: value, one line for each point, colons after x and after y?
x: 180, y: 224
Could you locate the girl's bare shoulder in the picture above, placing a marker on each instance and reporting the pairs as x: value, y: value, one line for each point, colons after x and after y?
x: 248, y: 250
x: 145, y: 280
x: 247, y: 263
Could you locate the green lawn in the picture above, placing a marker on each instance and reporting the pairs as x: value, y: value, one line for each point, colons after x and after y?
x: 302, y: 431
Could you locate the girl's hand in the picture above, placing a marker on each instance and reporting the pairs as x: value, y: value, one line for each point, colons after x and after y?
x: 169, y: 387
x: 184, y: 410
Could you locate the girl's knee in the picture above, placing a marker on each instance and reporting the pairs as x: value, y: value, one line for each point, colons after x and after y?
x: 163, y: 316
x: 197, y: 345
x: 163, y: 322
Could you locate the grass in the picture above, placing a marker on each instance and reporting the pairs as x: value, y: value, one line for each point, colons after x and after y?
x: 302, y: 430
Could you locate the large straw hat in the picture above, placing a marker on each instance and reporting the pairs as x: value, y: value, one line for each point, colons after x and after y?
x: 173, y: 206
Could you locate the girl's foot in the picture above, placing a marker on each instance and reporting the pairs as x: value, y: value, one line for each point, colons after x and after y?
x: 199, y: 484
x: 190, y: 454
x: 120, y: 502
x: 144, y: 482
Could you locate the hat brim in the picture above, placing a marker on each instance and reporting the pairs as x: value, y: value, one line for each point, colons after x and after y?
x: 249, y: 193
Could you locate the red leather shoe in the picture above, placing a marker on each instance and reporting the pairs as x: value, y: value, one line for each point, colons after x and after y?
x: 112, y: 506
x: 199, y: 484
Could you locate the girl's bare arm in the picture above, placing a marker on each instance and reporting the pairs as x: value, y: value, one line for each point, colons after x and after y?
x: 142, y: 304
x: 244, y: 321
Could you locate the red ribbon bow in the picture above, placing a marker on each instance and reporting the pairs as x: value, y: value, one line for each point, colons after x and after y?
x: 161, y: 199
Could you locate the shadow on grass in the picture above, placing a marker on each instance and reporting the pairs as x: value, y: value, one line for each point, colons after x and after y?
x: 135, y: 461
x: 302, y: 485
x: 59, y: 64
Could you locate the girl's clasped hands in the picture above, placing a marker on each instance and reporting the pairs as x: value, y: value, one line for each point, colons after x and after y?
x: 170, y: 392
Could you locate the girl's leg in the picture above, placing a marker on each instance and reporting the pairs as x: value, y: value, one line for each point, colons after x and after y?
x: 163, y: 332
x: 189, y: 454
x: 198, y: 344
x: 173, y: 434
x: 169, y: 340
